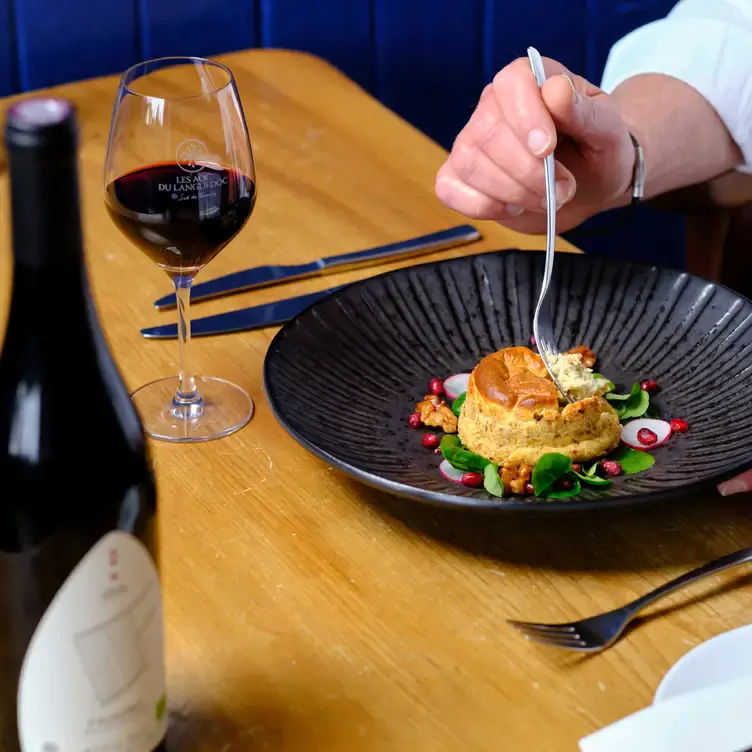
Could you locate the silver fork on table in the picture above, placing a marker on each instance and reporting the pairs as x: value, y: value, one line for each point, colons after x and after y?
x: 543, y: 327
x: 599, y: 632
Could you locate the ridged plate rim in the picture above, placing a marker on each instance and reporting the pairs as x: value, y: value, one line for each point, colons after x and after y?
x: 445, y: 500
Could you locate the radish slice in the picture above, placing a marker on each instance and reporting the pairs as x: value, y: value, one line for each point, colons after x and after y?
x: 451, y: 473
x: 660, y: 428
x: 456, y: 385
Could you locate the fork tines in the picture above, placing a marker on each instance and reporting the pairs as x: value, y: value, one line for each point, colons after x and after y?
x: 560, y: 635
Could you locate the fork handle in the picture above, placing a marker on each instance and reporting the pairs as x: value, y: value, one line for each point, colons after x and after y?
x: 717, y: 565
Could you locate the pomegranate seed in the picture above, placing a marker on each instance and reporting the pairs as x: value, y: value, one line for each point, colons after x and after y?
x: 646, y: 436
x: 679, y: 426
x: 430, y: 441
x: 649, y: 385
x: 611, y: 467
x: 436, y: 386
x: 577, y: 468
x: 414, y: 421
x: 529, y: 490
x: 563, y: 484
x: 533, y: 342
x: 474, y: 480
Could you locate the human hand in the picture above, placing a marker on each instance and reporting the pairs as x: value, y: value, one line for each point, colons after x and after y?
x: 495, y: 168
x: 741, y: 484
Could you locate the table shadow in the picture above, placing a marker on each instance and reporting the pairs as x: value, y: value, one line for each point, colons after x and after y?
x: 206, y: 729
x: 304, y: 710
x: 638, y: 538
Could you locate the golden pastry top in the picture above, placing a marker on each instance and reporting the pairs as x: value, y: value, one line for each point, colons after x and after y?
x: 513, y: 378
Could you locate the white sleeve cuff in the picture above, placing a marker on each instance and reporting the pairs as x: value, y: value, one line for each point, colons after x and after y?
x: 712, y: 56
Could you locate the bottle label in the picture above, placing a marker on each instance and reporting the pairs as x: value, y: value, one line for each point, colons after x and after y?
x: 93, y: 679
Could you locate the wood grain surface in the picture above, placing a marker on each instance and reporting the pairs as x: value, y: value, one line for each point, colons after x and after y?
x: 306, y: 612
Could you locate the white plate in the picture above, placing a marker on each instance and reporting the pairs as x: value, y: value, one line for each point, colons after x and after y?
x: 723, y: 658
x: 714, y: 719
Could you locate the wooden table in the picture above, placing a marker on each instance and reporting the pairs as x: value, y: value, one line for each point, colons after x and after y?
x: 307, y: 612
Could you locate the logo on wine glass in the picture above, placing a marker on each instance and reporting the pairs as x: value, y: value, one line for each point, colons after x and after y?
x: 191, y: 155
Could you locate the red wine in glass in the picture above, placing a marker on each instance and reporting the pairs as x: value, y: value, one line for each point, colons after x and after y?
x: 181, y: 220
x: 180, y: 184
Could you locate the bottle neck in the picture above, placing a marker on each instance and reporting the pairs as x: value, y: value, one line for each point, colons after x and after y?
x: 50, y: 295
x: 45, y: 210
x: 55, y: 301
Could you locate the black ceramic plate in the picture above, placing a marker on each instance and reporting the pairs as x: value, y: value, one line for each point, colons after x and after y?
x: 344, y: 375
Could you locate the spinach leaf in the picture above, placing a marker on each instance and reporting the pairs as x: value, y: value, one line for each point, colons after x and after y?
x: 611, y: 397
x: 457, y: 404
x: 491, y: 480
x: 459, y: 457
x: 635, y: 407
x: 549, y: 468
x: 591, y: 470
x: 632, y: 460
x: 631, y: 405
x: 576, y: 489
x: 594, y: 480
x: 462, y: 459
x: 448, y: 444
x: 601, y: 377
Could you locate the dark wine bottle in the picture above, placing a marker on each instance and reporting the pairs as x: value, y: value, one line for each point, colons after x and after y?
x: 81, y: 634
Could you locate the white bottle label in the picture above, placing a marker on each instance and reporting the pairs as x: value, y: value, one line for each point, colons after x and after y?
x: 93, y: 679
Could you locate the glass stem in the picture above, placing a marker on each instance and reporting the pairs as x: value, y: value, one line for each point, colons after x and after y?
x: 187, y: 402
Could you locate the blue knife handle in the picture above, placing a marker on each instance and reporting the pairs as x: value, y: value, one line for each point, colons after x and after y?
x: 235, y: 282
x: 243, y: 319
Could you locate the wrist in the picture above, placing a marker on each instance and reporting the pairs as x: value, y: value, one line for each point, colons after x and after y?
x: 632, y: 169
x: 684, y: 139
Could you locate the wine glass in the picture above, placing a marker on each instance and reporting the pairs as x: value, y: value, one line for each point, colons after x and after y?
x: 180, y: 183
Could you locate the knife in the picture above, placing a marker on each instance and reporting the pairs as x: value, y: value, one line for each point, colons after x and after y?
x: 262, y: 276
x: 257, y: 317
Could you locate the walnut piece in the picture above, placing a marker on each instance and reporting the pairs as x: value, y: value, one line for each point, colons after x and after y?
x: 508, y: 473
x: 436, y: 413
x: 515, y: 477
x: 588, y: 356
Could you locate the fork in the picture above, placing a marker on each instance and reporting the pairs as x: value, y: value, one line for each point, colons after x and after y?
x: 599, y: 632
x: 543, y: 328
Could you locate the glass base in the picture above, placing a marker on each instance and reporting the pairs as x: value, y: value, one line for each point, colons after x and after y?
x: 224, y: 409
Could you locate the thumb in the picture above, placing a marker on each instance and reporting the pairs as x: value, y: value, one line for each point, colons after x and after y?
x: 740, y: 484
x: 583, y: 112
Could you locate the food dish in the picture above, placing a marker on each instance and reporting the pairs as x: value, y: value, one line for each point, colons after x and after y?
x: 343, y: 375
x: 513, y: 411
x: 517, y: 434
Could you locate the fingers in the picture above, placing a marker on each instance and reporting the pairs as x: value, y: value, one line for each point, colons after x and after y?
x: 583, y: 111
x: 495, y: 169
x: 476, y: 169
x: 465, y: 199
x: 478, y: 188
x: 740, y: 484
x: 566, y: 102
x: 489, y: 133
x: 519, y: 97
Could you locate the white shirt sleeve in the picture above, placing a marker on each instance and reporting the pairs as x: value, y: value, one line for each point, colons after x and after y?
x: 705, y: 43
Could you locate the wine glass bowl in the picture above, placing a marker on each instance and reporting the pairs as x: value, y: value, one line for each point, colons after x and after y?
x: 180, y: 184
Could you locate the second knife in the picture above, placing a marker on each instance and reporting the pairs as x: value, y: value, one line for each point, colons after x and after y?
x: 244, y: 319
x: 262, y: 276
